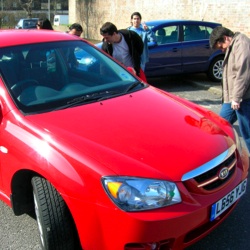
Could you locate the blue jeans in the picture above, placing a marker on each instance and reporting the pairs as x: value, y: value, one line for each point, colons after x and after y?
x: 243, y: 117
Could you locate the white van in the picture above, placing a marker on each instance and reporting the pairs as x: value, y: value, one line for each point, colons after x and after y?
x: 61, y: 19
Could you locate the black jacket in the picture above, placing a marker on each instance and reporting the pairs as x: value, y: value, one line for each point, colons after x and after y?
x: 135, y: 45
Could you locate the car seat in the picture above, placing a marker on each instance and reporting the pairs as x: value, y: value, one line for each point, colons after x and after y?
x: 160, y: 35
x: 174, y: 36
x: 35, y: 65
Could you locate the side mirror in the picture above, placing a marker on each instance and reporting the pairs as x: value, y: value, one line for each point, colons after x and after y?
x: 131, y: 70
x: 142, y: 74
x: 152, y: 44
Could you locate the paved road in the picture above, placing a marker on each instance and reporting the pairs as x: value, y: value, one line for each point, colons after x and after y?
x: 20, y: 233
x: 233, y: 233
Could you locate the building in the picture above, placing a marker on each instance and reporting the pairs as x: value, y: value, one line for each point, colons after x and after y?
x: 233, y: 14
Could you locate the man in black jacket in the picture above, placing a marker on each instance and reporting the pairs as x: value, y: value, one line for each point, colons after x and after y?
x: 124, y: 45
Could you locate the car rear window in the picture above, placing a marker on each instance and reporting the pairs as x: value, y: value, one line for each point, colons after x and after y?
x: 29, y: 24
x: 196, y: 32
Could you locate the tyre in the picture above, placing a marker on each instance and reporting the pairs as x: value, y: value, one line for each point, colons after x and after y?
x: 55, y: 224
x: 215, y: 69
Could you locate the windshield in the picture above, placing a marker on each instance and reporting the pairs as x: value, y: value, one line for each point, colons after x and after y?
x: 29, y: 24
x: 50, y: 76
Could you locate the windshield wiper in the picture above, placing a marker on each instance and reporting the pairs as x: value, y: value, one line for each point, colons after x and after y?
x: 88, y: 98
x: 81, y: 99
x: 133, y: 85
x: 91, y: 97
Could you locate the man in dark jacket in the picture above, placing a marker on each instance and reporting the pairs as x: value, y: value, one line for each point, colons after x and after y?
x: 126, y: 46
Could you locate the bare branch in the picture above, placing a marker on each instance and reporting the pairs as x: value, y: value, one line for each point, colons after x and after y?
x: 27, y: 6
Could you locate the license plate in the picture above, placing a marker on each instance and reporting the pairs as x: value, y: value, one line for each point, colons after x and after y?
x: 224, y: 203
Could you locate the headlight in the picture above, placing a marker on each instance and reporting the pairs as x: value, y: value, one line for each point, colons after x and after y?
x: 137, y: 194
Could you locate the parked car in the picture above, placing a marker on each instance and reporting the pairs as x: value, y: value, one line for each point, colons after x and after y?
x: 105, y: 160
x: 27, y: 23
x: 182, y: 46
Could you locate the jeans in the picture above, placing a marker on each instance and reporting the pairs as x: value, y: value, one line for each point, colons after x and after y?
x: 243, y: 117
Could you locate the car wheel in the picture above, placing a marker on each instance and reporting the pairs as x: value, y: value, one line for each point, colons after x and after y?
x: 55, y: 224
x: 216, y: 69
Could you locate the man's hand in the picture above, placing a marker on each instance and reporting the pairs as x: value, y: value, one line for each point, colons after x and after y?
x: 144, y: 25
x: 235, y: 105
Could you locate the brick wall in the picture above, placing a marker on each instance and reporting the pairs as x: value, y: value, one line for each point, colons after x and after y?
x: 233, y: 14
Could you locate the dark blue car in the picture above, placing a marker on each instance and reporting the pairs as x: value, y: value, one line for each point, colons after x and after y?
x: 182, y: 46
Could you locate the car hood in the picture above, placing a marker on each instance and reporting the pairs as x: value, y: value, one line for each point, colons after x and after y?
x: 145, y: 133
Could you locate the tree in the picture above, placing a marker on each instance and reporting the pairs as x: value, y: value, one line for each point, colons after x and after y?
x: 6, y: 18
x: 86, y: 10
x: 27, y: 6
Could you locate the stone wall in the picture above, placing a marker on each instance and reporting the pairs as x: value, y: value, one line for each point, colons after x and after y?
x: 233, y: 14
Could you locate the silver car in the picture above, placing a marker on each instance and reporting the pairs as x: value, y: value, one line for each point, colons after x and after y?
x: 27, y: 23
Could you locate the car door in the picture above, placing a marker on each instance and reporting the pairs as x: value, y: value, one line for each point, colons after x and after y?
x: 195, y: 50
x: 165, y: 56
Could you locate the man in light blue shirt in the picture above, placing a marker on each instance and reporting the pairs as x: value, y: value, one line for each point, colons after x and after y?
x: 146, y: 34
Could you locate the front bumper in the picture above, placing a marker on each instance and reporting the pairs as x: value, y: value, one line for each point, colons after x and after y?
x: 106, y: 227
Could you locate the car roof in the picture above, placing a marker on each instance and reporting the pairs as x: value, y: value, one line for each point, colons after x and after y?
x: 17, y: 37
x: 176, y: 21
x: 33, y: 18
x: 28, y: 19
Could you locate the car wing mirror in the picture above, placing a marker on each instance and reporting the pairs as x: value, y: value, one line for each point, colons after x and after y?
x: 152, y: 44
x: 131, y: 70
x: 142, y: 74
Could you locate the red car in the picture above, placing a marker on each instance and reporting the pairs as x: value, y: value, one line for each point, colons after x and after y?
x: 105, y: 160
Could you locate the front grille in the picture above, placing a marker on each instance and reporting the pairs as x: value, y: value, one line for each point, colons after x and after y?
x: 210, y: 180
x: 213, y: 174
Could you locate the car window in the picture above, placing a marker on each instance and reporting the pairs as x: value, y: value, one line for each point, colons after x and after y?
x: 206, y: 31
x: 29, y: 24
x: 196, y: 32
x: 166, y: 35
x: 47, y: 76
x: 84, y: 59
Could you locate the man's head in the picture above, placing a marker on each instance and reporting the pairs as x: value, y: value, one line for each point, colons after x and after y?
x: 136, y: 19
x: 109, y: 32
x: 220, y: 38
x: 75, y: 29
